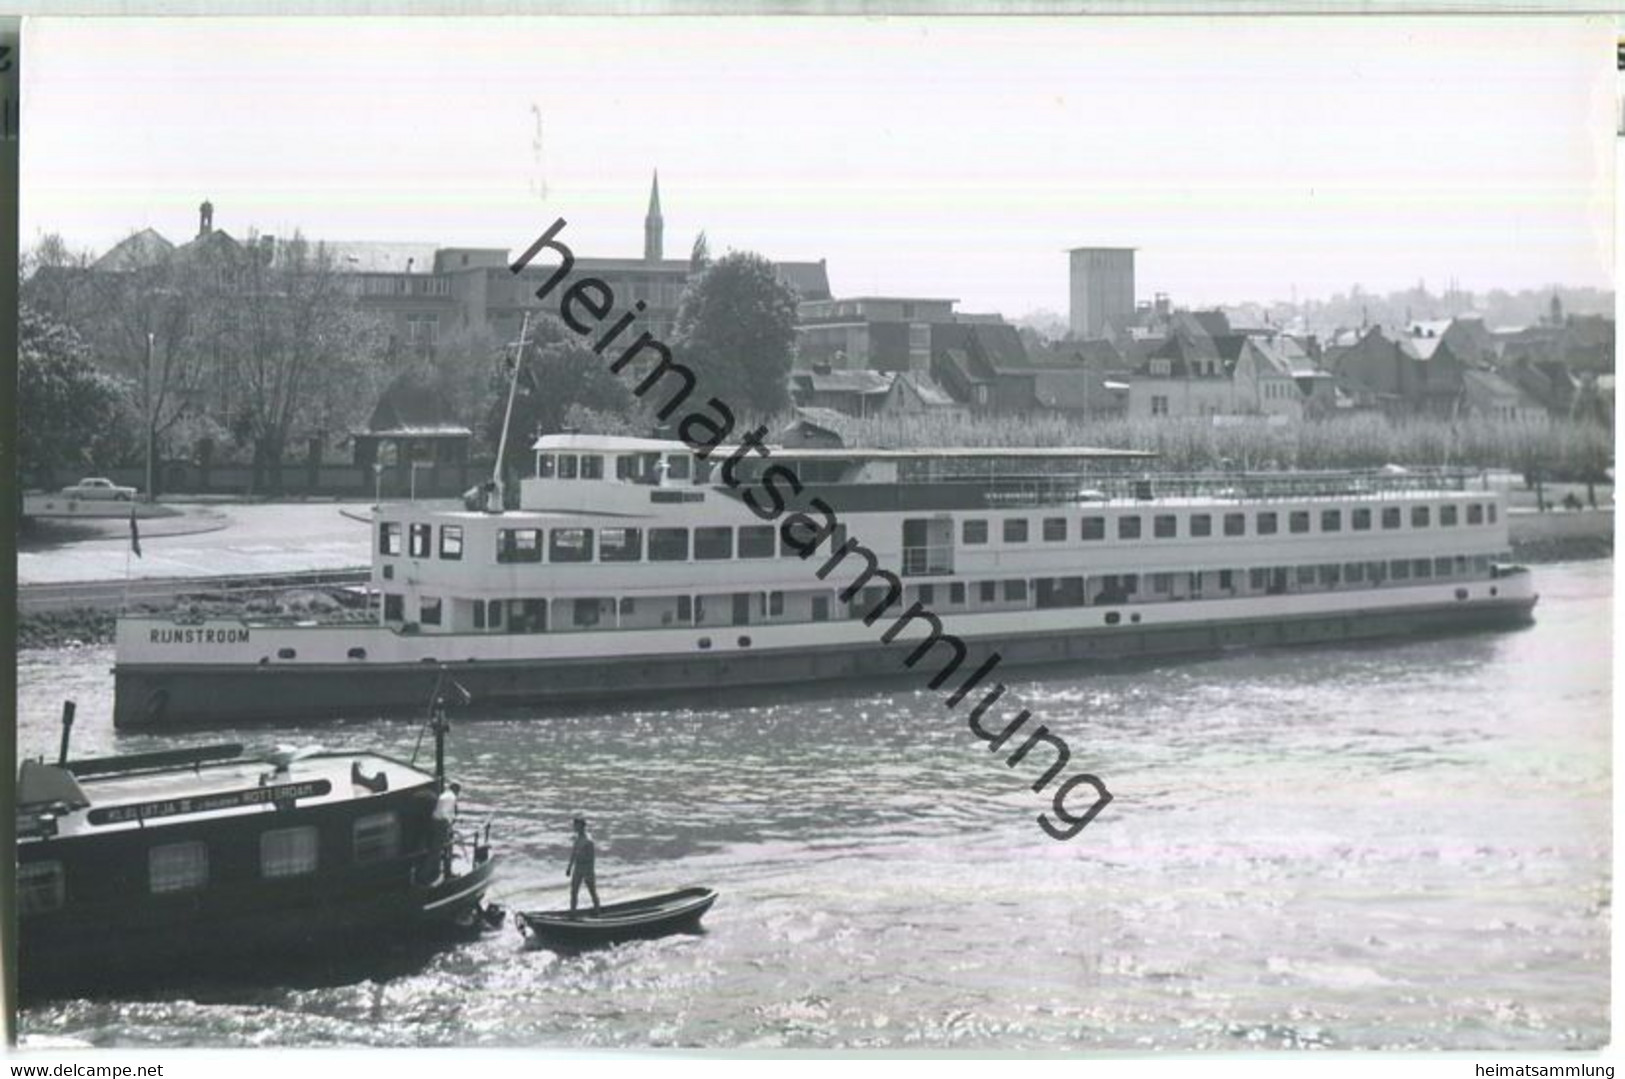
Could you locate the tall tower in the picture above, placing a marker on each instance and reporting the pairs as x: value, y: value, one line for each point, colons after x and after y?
x: 1102, y: 288
x: 653, y: 225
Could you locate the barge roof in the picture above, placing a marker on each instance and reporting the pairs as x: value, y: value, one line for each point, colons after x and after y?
x: 240, y: 787
x: 624, y: 444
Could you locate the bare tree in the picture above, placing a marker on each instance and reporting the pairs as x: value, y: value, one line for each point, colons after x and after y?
x: 306, y: 360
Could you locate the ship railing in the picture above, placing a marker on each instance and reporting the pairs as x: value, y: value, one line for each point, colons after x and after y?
x: 1016, y: 489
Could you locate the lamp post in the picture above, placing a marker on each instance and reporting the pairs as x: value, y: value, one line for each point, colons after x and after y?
x: 377, y: 484
x: 147, y: 386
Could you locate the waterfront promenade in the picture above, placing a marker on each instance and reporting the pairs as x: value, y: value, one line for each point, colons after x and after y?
x: 246, y: 539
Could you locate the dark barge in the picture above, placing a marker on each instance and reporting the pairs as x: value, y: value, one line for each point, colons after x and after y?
x: 147, y: 866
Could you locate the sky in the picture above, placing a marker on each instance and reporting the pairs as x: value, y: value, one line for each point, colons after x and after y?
x: 1245, y: 159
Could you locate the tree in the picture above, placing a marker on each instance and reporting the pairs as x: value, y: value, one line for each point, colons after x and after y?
x: 736, y: 330
x: 699, y: 257
x: 559, y: 373
x: 48, y: 274
x: 308, y: 361
x: 137, y: 320
x: 69, y: 413
x: 464, y: 370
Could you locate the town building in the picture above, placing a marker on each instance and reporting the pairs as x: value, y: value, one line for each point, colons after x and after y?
x: 426, y: 293
x: 1102, y: 288
x: 873, y: 333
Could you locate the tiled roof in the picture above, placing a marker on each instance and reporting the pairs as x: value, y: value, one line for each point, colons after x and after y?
x: 1066, y: 391
x: 1215, y: 323
x: 857, y: 381
x: 409, y: 407
x: 138, y: 250
x: 1101, y: 354
x: 1422, y: 348
x: 925, y: 389
x: 827, y: 418
x: 1272, y: 356
x: 1428, y: 327
x: 1489, y: 384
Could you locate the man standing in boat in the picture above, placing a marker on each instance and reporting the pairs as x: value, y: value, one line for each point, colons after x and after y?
x: 581, y: 868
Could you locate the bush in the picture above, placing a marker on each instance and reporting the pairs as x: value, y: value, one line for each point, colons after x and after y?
x: 1555, y: 448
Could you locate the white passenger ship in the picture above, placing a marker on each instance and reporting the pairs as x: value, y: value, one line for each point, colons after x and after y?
x: 633, y: 567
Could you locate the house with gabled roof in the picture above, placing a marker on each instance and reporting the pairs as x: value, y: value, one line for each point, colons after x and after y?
x: 1487, y: 394
x: 1264, y: 380
x: 853, y: 392
x: 138, y: 250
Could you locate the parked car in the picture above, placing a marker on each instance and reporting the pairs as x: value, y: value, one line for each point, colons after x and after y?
x: 98, y: 487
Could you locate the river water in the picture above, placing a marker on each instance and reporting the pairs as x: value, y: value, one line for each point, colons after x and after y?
x: 1388, y: 846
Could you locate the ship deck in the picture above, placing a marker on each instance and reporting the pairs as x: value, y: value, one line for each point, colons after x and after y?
x: 247, y: 785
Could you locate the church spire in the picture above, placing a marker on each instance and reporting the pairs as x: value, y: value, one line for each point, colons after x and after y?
x: 653, y: 225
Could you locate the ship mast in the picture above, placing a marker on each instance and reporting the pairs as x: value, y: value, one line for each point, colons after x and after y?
x: 507, y: 415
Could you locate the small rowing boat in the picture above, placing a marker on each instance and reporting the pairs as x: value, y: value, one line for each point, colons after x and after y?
x: 652, y: 916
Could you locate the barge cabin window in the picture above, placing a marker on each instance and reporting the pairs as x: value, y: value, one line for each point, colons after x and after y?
x: 376, y: 838
x: 288, y: 852
x: 419, y: 547
x: 177, y: 867
x: 389, y: 537
x: 451, y: 542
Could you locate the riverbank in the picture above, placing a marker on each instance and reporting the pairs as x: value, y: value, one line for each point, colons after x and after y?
x: 1562, y: 535
x: 80, y: 626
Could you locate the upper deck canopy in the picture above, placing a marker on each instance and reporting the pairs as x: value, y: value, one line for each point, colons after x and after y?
x: 620, y: 444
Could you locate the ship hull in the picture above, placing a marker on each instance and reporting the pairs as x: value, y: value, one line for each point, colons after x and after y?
x: 172, y: 695
x: 279, y: 934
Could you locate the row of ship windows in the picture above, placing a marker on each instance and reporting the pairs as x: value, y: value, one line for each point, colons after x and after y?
x: 518, y: 545
x: 1265, y: 523
x: 588, y: 612
x: 184, y: 867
